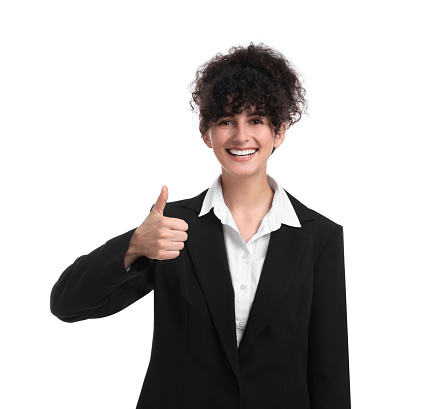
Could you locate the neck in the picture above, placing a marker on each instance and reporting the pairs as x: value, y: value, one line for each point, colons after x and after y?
x: 247, y: 194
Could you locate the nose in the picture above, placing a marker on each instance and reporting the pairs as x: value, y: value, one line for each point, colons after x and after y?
x: 240, y: 133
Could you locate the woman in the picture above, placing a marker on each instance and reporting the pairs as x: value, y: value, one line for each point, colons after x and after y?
x: 250, y: 304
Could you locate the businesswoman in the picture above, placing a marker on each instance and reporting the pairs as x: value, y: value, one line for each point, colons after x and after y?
x: 249, y: 283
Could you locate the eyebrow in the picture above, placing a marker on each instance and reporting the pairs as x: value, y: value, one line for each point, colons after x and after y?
x: 231, y: 115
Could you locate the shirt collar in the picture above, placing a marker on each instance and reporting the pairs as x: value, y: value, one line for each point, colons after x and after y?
x: 281, y: 212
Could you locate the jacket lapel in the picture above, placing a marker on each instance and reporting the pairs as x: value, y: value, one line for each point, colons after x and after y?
x: 285, y: 248
x: 284, y: 252
x: 206, y: 247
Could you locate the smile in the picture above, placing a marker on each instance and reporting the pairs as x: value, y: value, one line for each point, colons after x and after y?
x: 247, y: 152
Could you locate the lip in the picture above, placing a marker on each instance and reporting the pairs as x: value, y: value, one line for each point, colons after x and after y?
x: 243, y: 149
x: 245, y: 158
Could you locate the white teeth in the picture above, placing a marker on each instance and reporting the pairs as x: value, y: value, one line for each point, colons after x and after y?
x: 242, y: 152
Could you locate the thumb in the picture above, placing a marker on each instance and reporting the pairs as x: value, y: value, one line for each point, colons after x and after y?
x: 161, y: 201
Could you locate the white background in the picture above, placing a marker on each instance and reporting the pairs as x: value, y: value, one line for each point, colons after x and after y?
x: 95, y: 119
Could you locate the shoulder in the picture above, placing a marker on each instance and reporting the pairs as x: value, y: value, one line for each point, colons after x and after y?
x: 316, y: 226
x: 306, y: 213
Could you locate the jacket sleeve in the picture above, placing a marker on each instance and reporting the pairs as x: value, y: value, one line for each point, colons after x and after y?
x: 97, y: 284
x: 328, y: 361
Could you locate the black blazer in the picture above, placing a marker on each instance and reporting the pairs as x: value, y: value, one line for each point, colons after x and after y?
x: 294, y: 351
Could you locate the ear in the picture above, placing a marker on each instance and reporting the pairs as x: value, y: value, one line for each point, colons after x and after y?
x: 280, y: 136
x: 207, y: 140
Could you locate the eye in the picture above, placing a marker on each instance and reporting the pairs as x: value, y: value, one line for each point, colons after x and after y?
x: 224, y: 122
x: 257, y: 121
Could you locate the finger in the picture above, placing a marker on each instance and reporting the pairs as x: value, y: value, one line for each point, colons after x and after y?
x: 174, y: 245
x: 177, y: 235
x: 159, y: 206
x: 171, y: 254
x: 176, y: 224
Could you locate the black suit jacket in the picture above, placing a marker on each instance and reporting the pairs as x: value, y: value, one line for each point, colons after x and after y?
x: 294, y: 351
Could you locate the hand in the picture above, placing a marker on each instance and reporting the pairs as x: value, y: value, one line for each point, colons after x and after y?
x: 158, y: 237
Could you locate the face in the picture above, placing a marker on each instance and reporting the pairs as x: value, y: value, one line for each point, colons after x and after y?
x: 243, y: 142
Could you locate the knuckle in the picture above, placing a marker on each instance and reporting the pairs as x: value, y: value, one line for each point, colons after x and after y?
x: 163, y: 233
x: 162, y: 222
x: 160, y: 245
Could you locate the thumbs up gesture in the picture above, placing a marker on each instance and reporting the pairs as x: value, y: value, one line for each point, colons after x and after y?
x: 158, y: 237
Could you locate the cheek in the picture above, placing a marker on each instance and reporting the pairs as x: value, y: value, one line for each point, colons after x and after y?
x: 217, y: 141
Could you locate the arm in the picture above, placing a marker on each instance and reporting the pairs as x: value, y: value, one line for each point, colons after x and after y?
x: 328, y: 363
x: 98, y: 284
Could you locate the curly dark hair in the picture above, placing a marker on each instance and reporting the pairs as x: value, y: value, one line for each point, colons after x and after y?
x: 257, y: 76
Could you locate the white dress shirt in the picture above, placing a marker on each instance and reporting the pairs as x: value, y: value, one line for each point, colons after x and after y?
x: 245, y: 260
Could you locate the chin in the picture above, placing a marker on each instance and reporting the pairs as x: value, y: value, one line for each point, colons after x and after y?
x: 240, y: 172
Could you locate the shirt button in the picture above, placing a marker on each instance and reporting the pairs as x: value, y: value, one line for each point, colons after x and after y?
x: 243, y: 287
x: 241, y: 325
x: 245, y: 256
